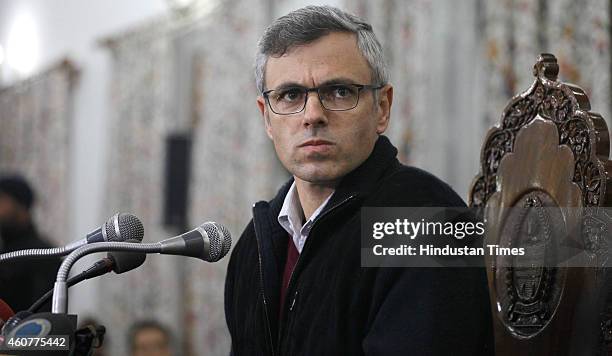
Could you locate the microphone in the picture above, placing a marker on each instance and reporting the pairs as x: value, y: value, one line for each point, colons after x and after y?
x: 118, y: 262
x: 119, y: 227
x: 209, y: 242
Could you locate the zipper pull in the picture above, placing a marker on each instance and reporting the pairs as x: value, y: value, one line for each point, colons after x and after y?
x: 293, y: 301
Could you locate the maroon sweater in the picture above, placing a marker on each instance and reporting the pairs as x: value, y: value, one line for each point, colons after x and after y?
x: 292, y: 257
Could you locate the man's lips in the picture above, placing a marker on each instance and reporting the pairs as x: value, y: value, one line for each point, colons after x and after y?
x: 315, y: 142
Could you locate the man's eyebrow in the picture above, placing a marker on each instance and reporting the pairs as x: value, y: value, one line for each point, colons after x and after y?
x: 332, y: 81
x: 285, y: 85
x: 339, y: 80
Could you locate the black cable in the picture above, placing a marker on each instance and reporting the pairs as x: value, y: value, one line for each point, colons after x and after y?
x: 99, y: 268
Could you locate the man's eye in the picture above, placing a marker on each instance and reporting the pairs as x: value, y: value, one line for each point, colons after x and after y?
x: 290, y: 95
x: 342, y: 91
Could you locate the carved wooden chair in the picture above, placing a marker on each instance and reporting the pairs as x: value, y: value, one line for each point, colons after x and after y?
x: 545, y: 175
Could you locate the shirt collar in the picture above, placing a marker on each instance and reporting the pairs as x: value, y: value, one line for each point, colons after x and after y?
x: 291, y: 216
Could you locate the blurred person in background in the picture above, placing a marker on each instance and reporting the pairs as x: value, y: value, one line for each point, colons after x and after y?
x: 23, y: 281
x: 93, y: 323
x: 149, y: 338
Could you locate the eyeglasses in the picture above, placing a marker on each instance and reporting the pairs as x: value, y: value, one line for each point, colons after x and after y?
x: 333, y: 97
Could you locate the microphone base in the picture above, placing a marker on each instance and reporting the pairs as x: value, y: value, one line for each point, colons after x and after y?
x: 55, y: 331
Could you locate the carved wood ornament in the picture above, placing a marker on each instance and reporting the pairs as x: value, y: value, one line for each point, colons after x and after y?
x: 545, y: 174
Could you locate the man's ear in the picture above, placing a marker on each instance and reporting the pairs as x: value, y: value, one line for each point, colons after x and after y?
x: 385, y: 99
x: 261, y: 104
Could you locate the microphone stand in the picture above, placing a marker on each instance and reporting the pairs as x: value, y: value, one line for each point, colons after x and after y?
x: 60, y: 289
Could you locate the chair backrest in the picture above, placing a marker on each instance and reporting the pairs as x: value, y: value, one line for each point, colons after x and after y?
x: 543, y: 185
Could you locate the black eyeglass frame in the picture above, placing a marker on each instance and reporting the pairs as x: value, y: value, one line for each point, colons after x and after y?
x: 359, y: 87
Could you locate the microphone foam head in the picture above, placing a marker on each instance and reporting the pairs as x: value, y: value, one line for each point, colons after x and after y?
x: 220, y: 240
x: 122, y: 227
x: 125, y: 261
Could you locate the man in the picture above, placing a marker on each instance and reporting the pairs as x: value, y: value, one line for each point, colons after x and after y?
x: 22, y: 281
x: 295, y: 285
x: 149, y: 338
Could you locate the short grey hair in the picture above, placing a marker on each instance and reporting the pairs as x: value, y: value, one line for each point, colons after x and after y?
x: 310, y: 23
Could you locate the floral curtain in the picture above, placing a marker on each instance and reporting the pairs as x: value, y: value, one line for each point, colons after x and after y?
x: 455, y: 65
x: 35, y: 140
x: 186, y: 74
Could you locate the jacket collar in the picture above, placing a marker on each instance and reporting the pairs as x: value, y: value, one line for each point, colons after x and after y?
x: 363, y: 179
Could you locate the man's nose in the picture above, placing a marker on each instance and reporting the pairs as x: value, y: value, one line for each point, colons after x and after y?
x: 314, y: 112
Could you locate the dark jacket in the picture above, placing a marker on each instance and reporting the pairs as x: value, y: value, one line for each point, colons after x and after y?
x: 23, y: 281
x: 336, y: 307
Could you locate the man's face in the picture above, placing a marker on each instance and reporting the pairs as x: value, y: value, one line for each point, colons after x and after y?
x: 9, y: 209
x: 317, y: 145
x: 150, y: 342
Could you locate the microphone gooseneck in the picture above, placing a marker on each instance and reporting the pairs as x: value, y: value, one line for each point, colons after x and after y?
x: 118, y: 262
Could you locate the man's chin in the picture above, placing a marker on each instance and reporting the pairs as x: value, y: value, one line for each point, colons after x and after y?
x: 319, y: 176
